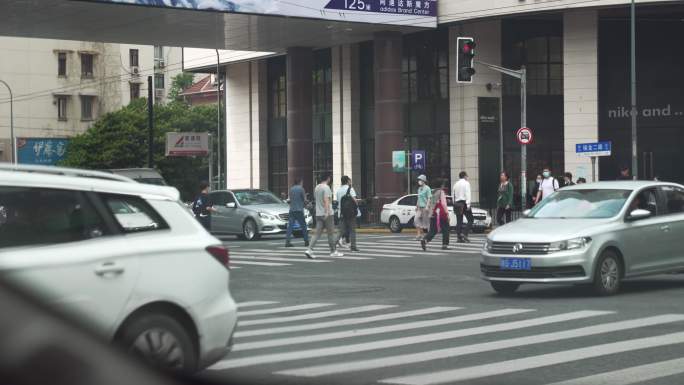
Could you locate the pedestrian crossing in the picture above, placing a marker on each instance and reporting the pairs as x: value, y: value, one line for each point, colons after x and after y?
x: 391, y: 344
x: 372, y: 247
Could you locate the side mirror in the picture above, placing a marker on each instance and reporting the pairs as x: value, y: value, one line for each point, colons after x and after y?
x: 639, y: 214
x: 231, y: 205
x: 526, y: 213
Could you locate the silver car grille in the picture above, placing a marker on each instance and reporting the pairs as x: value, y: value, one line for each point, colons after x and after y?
x: 520, y: 248
x: 284, y: 217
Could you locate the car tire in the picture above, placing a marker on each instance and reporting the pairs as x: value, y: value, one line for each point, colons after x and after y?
x: 608, y: 274
x: 395, y: 225
x: 505, y: 288
x: 162, y: 342
x: 250, y: 231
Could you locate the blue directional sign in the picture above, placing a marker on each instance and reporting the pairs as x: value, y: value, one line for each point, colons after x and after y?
x: 418, y: 161
x: 594, y: 149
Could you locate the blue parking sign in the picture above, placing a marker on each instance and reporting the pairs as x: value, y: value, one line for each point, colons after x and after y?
x: 418, y: 160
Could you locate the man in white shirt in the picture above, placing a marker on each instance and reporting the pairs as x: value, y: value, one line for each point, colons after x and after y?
x: 461, y: 197
x: 548, y: 186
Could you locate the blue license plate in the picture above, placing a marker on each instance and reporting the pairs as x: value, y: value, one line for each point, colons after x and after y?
x: 516, y: 264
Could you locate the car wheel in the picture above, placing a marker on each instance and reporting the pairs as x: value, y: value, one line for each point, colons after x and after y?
x: 608, y: 274
x: 505, y: 288
x: 249, y: 230
x: 162, y: 342
x: 395, y: 225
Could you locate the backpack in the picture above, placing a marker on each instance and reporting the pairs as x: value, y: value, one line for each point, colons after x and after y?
x: 197, y: 206
x: 348, y: 206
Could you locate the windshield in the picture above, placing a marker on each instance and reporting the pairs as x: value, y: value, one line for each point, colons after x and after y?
x: 581, y: 204
x: 256, y: 197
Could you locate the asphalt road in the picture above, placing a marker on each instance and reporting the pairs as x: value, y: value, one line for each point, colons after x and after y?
x: 395, y: 315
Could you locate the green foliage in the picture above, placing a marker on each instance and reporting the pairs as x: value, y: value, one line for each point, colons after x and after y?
x: 180, y: 82
x: 119, y: 140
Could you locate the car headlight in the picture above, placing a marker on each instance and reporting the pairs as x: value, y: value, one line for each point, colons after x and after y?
x: 572, y: 244
x: 267, y: 216
x: 488, y: 245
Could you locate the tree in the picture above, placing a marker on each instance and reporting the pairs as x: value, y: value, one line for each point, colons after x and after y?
x: 179, y: 83
x: 119, y: 140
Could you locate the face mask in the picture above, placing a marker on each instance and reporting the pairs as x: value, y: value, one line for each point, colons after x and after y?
x: 546, y: 174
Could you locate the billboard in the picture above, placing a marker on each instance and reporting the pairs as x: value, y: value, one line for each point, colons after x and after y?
x: 42, y: 151
x: 419, y: 13
x: 187, y: 144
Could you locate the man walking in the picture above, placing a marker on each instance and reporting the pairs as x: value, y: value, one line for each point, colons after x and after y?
x: 348, y: 212
x: 297, y: 203
x: 422, y: 218
x: 548, y: 186
x: 203, y: 206
x: 462, y: 196
x: 439, y: 221
x: 324, y: 217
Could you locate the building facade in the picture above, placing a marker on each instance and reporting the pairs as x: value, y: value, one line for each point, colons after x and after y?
x: 61, y: 87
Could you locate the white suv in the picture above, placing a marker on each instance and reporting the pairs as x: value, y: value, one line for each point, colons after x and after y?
x: 126, y: 257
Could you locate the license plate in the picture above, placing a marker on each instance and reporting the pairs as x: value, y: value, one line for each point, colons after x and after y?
x: 516, y: 264
x: 479, y: 223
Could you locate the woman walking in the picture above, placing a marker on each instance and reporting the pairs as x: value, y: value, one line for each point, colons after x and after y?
x: 422, y: 218
x: 439, y: 220
x: 505, y: 200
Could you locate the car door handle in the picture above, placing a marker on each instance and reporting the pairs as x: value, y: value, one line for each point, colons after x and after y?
x: 109, y: 268
x: 665, y: 228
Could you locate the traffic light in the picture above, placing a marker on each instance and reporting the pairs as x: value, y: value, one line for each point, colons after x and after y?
x: 464, y: 59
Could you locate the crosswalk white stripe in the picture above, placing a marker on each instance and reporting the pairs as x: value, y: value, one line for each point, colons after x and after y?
x: 376, y: 330
x: 273, y: 264
x: 631, y: 375
x: 412, y: 358
x: 534, y: 362
x: 278, y: 253
x: 344, y: 322
x: 242, y: 305
x: 276, y: 259
x: 285, y: 309
x: 402, y: 341
x: 301, y: 317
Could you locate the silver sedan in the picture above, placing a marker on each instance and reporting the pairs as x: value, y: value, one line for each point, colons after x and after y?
x: 596, y: 233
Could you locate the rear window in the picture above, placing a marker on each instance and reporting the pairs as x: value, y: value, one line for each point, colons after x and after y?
x: 133, y: 214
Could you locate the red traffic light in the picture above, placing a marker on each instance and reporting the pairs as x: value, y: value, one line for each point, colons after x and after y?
x: 468, y: 48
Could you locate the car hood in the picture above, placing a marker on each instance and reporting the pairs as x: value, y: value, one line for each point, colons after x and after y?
x: 547, y: 230
x: 273, y: 209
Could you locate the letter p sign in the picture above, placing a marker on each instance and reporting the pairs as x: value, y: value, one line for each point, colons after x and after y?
x: 418, y: 160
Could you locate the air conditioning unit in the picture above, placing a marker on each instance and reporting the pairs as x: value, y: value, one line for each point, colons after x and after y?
x: 161, y: 63
x: 135, y: 72
x: 159, y: 93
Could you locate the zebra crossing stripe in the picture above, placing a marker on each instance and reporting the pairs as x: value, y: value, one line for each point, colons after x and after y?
x: 255, y: 303
x: 276, y: 259
x: 412, y: 358
x: 285, y: 309
x: 376, y: 330
x: 399, y: 342
x: 272, y: 264
x: 540, y: 361
x: 279, y: 253
x: 343, y: 322
x: 631, y: 375
x: 332, y: 313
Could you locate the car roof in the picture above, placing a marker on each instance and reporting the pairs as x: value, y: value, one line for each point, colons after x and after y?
x: 81, y: 180
x: 620, y: 185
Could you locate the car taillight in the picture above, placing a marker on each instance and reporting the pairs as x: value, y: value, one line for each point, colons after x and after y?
x: 221, y: 254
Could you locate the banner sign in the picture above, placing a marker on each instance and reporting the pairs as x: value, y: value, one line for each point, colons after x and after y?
x: 594, y: 149
x: 419, y: 13
x: 399, y: 161
x: 187, y: 144
x: 41, y: 151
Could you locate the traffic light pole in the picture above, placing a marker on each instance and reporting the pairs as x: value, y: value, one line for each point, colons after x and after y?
x: 522, y: 75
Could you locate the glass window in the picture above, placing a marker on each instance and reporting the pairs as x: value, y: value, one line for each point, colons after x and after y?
x: 277, y: 125
x: 646, y: 200
x: 37, y: 216
x: 135, y: 91
x: 133, y: 57
x: 87, y: 107
x: 133, y: 214
x: 411, y: 200
x: 159, y: 81
x: 86, y: 65
x: 256, y: 197
x: 585, y: 204
x: 322, y: 113
x: 675, y: 199
x: 62, y: 108
x: 62, y: 64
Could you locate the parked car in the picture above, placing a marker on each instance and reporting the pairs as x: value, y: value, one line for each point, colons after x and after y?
x: 249, y: 214
x: 597, y: 233
x: 141, y: 175
x: 400, y: 214
x: 95, y: 245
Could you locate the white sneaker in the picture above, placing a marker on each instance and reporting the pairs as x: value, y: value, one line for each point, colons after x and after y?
x: 342, y: 245
x: 337, y: 254
x: 309, y: 254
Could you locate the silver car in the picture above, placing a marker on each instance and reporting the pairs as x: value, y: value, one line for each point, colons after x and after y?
x: 596, y: 233
x: 249, y: 214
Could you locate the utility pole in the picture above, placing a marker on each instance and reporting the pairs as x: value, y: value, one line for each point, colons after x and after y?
x: 12, y: 140
x: 635, y: 150
x: 218, y: 118
x: 150, y: 122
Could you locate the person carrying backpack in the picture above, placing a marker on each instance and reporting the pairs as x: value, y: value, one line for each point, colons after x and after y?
x: 548, y: 186
x: 348, y: 212
x: 202, y: 207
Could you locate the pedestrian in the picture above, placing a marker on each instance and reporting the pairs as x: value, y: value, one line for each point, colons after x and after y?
x: 624, y: 173
x: 348, y: 211
x: 462, y: 197
x: 548, y: 186
x: 422, y: 218
x: 324, y: 217
x: 296, y: 215
x: 533, y: 189
x: 202, y: 207
x: 567, y: 179
x: 439, y: 219
x: 504, y: 202
x: 581, y: 181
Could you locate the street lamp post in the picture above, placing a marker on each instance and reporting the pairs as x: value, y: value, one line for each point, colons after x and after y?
x: 12, y: 140
x: 633, y: 113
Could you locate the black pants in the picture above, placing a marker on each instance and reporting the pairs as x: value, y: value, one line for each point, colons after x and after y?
x: 462, y: 209
x: 433, y: 231
x: 500, y: 213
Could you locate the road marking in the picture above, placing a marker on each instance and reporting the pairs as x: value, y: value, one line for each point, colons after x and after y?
x: 255, y: 303
x: 631, y: 375
x: 397, y: 342
x: 412, y: 358
x: 344, y: 322
x: 233, y: 262
x: 332, y: 313
x: 234, y: 256
x: 517, y: 365
x: 376, y: 330
x: 285, y: 309
x: 291, y: 253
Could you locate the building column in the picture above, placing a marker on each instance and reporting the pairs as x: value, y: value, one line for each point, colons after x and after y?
x: 389, y: 135
x: 300, y: 116
x: 580, y: 80
x: 237, y: 113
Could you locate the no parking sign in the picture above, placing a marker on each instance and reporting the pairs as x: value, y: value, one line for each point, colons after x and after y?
x: 524, y: 136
